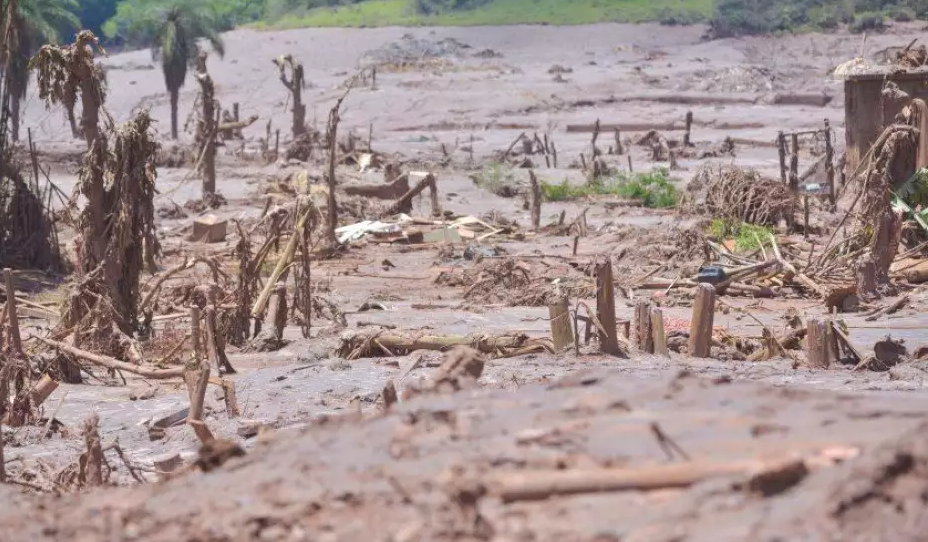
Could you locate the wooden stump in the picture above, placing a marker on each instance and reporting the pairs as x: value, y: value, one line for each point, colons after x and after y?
x: 657, y: 332
x: 687, y: 141
x: 703, y: 319
x: 562, y: 333
x: 536, y: 200
x: 197, y: 381
x: 643, y: 327
x: 605, y: 310
x: 866, y: 278
x: 819, y: 341
x: 781, y: 145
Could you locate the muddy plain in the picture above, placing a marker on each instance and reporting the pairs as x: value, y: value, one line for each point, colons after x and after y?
x: 573, y: 445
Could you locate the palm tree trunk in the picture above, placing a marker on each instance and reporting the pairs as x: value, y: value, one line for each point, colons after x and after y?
x: 174, y: 93
x: 14, y: 118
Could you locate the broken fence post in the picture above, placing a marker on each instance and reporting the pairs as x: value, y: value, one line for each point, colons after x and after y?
x: 657, y: 332
x: 197, y: 381
x: 687, y: 142
x: 230, y: 398
x: 794, y: 164
x: 643, y: 327
x: 536, y: 200
x: 829, y: 163
x: 819, y: 339
x: 781, y: 146
x: 605, y: 309
x: 703, y: 319
x: 12, y: 320
x: 561, y: 333
x: 618, y: 142
x: 195, y: 334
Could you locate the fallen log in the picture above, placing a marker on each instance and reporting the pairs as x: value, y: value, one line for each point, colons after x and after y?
x: 388, y: 191
x: 112, y: 363
x: 817, y: 100
x: 404, y: 204
x: 361, y: 345
x: 538, y: 485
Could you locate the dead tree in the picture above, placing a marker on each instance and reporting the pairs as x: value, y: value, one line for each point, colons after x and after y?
x: 206, y: 129
x: 331, y: 140
x: 117, y: 229
x: 295, y: 83
x: 63, y: 73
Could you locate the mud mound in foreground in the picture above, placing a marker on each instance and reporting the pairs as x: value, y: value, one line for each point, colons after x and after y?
x: 415, y: 474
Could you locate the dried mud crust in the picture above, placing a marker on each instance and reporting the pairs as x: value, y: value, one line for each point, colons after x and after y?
x: 418, y: 472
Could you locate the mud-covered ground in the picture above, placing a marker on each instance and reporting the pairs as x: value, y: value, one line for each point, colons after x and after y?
x: 462, y: 96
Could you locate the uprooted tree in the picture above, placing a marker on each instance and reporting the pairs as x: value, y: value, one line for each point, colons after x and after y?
x: 64, y: 72
x: 295, y: 83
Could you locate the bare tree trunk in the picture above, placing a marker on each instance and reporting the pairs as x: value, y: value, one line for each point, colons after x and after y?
x: 90, y: 116
x: 15, y: 104
x: 206, y: 129
x: 72, y: 121
x: 174, y: 96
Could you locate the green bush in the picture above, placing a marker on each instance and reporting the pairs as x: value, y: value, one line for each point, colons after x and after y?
x: 653, y: 189
x: 901, y: 14
x: 747, y: 236
x: 868, y: 22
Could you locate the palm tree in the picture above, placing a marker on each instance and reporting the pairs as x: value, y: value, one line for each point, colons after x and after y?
x: 175, y: 42
x: 31, y: 24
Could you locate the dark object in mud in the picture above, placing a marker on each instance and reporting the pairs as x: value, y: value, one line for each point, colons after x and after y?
x: 888, y: 353
x: 215, y: 453
x: 711, y: 274
x: 476, y: 252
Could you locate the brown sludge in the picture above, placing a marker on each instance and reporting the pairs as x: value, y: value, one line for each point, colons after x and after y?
x: 399, y: 317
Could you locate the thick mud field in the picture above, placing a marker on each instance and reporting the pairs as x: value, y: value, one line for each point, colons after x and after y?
x: 719, y: 448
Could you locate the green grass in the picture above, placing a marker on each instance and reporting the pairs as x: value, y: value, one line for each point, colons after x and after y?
x: 497, y: 178
x: 653, y: 189
x: 498, y: 12
x: 745, y: 235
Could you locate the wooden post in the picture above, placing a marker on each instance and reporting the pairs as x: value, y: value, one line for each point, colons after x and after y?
x: 630, y: 168
x: 605, y: 309
x: 781, y: 146
x: 687, y: 142
x: 576, y: 244
x: 794, y: 165
x: 277, y: 144
x: 561, y: 333
x: 829, y: 163
x: 618, y: 142
x: 195, y: 335
x: 866, y: 278
x: 702, y: 323
x: 231, y: 400
x: 595, y: 152
x: 819, y: 343
x: 200, y: 379
x: 553, y: 153
x: 643, y: 327
x: 657, y: 332
x: 536, y: 200
x: 805, y: 215
x: 12, y: 320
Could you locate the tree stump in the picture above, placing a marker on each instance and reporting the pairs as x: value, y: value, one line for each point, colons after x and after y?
x: 866, y: 278
x: 643, y: 327
x: 605, y: 310
x: 703, y: 319
x: 819, y: 340
x: 657, y: 332
x: 536, y: 200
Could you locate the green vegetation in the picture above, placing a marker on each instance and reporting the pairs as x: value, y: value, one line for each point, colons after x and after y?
x: 498, y: 178
x: 653, y: 189
x: 34, y: 23
x: 741, y: 17
x: 747, y: 236
x: 302, y: 13
x: 173, y: 28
